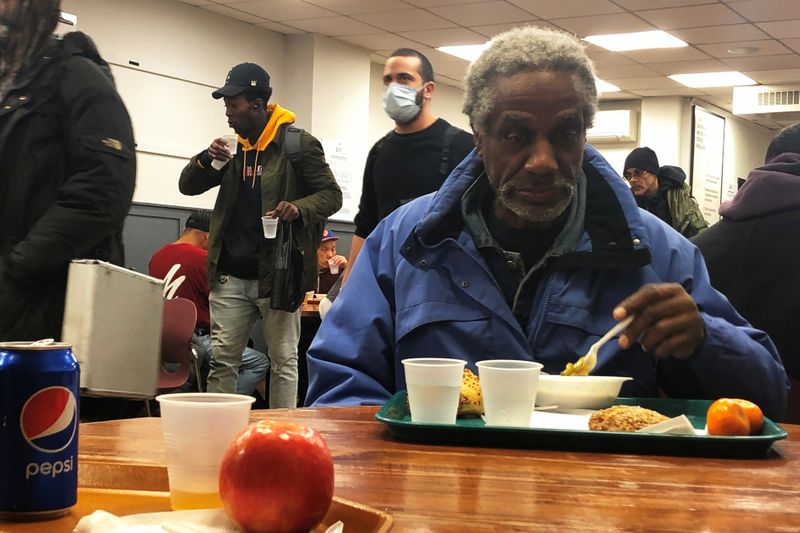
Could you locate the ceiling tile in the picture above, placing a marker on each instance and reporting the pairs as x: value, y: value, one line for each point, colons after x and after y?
x: 763, y: 62
x: 435, y: 3
x: 405, y: 20
x: 283, y: 10
x: 675, y: 91
x: 690, y: 67
x: 660, y: 55
x: 550, y: 9
x: 197, y: 2
x: 603, y: 24
x: 765, y: 10
x: 451, y: 69
x: 794, y: 44
x: 483, y: 13
x: 691, y: 16
x: 625, y: 71
x: 791, y: 75
x: 635, y: 5
x: 448, y: 37
x: 644, y: 83
x: 278, y: 27
x: 601, y: 59
x: 619, y: 95
x: 779, y: 30
x: 351, y: 7
x: 495, y: 29
x: 235, y: 14
x: 725, y: 93
x: 435, y: 56
x: 769, y: 47
x: 379, y: 41
x: 720, y: 34
x: 333, y: 26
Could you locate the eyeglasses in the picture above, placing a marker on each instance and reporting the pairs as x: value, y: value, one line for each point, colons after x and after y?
x: 635, y: 173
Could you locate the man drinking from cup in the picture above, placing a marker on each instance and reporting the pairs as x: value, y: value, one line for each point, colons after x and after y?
x: 531, y: 250
x: 259, y: 180
x: 331, y: 265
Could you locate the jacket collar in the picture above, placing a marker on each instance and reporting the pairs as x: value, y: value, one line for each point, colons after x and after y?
x: 614, y: 233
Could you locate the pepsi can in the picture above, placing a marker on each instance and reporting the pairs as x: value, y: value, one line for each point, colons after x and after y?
x: 39, y: 391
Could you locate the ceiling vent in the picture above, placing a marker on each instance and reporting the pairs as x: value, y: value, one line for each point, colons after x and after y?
x: 777, y: 102
x: 614, y: 126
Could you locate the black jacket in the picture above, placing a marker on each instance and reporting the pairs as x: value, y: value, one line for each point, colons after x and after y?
x: 67, y: 173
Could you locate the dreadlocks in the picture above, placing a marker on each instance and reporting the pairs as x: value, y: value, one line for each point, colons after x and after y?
x: 25, y: 25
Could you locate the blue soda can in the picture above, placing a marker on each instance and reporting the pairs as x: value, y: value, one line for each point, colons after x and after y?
x: 39, y: 392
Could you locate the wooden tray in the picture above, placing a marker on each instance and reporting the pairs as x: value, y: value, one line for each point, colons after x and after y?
x: 356, y: 517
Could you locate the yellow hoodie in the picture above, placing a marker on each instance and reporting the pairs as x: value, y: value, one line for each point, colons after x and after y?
x: 278, y: 117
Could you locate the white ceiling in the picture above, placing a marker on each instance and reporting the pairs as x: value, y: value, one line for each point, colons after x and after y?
x: 768, y: 31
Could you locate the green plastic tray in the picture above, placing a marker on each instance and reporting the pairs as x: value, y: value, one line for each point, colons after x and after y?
x: 473, y: 432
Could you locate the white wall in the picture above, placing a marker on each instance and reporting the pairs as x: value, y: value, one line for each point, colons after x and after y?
x: 183, y: 53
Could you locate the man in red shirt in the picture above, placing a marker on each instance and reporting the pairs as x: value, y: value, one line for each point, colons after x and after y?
x: 182, y: 266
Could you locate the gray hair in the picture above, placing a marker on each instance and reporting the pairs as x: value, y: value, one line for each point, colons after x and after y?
x: 527, y: 48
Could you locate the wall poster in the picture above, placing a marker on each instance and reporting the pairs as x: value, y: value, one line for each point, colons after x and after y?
x: 708, y: 151
x: 347, y: 168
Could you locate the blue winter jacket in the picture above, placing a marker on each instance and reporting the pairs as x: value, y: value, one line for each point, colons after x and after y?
x: 420, y: 287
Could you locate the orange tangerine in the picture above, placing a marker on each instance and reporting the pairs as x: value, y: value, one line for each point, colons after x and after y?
x: 754, y: 415
x: 727, y: 417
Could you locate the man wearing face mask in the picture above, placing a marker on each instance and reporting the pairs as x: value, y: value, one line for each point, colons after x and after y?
x: 416, y: 156
x: 68, y: 166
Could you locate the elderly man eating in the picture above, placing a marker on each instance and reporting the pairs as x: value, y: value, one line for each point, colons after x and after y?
x: 532, y: 249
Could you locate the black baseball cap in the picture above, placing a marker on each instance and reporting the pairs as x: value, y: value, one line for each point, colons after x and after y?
x: 241, y: 77
x: 200, y: 219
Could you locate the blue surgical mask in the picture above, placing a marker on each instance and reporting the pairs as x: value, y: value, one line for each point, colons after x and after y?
x: 400, y: 103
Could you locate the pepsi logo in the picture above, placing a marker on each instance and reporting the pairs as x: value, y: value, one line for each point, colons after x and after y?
x: 49, y: 419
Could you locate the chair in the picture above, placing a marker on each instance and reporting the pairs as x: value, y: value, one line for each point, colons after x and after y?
x: 178, y: 324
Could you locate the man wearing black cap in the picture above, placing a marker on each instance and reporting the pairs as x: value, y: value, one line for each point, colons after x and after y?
x: 182, y: 266
x: 663, y: 191
x: 259, y: 180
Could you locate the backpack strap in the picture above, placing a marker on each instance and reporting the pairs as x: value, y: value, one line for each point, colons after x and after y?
x: 293, y: 147
x: 449, y: 135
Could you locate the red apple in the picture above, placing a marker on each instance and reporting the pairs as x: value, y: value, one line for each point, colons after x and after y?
x: 277, y: 477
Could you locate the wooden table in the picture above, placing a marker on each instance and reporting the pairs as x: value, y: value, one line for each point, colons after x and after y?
x: 440, y: 488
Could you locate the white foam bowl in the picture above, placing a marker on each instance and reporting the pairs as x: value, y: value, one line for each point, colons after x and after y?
x: 579, y: 392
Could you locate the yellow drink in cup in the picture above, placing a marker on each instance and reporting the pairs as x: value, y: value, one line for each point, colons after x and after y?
x: 182, y: 500
x: 198, y: 428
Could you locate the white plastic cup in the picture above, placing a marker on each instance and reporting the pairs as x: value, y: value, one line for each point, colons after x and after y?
x: 270, y: 226
x: 508, y: 388
x: 231, y: 142
x: 197, y: 429
x: 333, y: 267
x: 433, y: 387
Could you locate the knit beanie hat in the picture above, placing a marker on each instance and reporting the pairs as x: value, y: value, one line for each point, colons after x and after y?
x: 642, y: 158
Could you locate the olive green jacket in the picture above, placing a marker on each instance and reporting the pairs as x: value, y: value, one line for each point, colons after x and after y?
x: 316, y: 195
x: 686, y: 216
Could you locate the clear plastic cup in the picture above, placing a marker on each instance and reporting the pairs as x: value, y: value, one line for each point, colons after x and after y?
x: 197, y: 429
x: 231, y: 141
x: 270, y: 226
x: 433, y: 386
x: 508, y: 388
x: 333, y: 267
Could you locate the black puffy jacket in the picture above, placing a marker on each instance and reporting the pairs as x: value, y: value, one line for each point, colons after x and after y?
x: 67, y: 174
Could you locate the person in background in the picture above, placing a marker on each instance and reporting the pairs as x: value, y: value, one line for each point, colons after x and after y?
x: 663, y: 191
x: 67, y: 166
x: 753, y: 252
x: 326, y: 253
x: 533, y: 249
x: 416, y: 156
x: 258, y: 180
x: 182, y: 266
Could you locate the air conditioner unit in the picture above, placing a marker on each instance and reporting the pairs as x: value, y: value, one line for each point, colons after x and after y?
x: 613, y: 126
x: 777, y: 102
